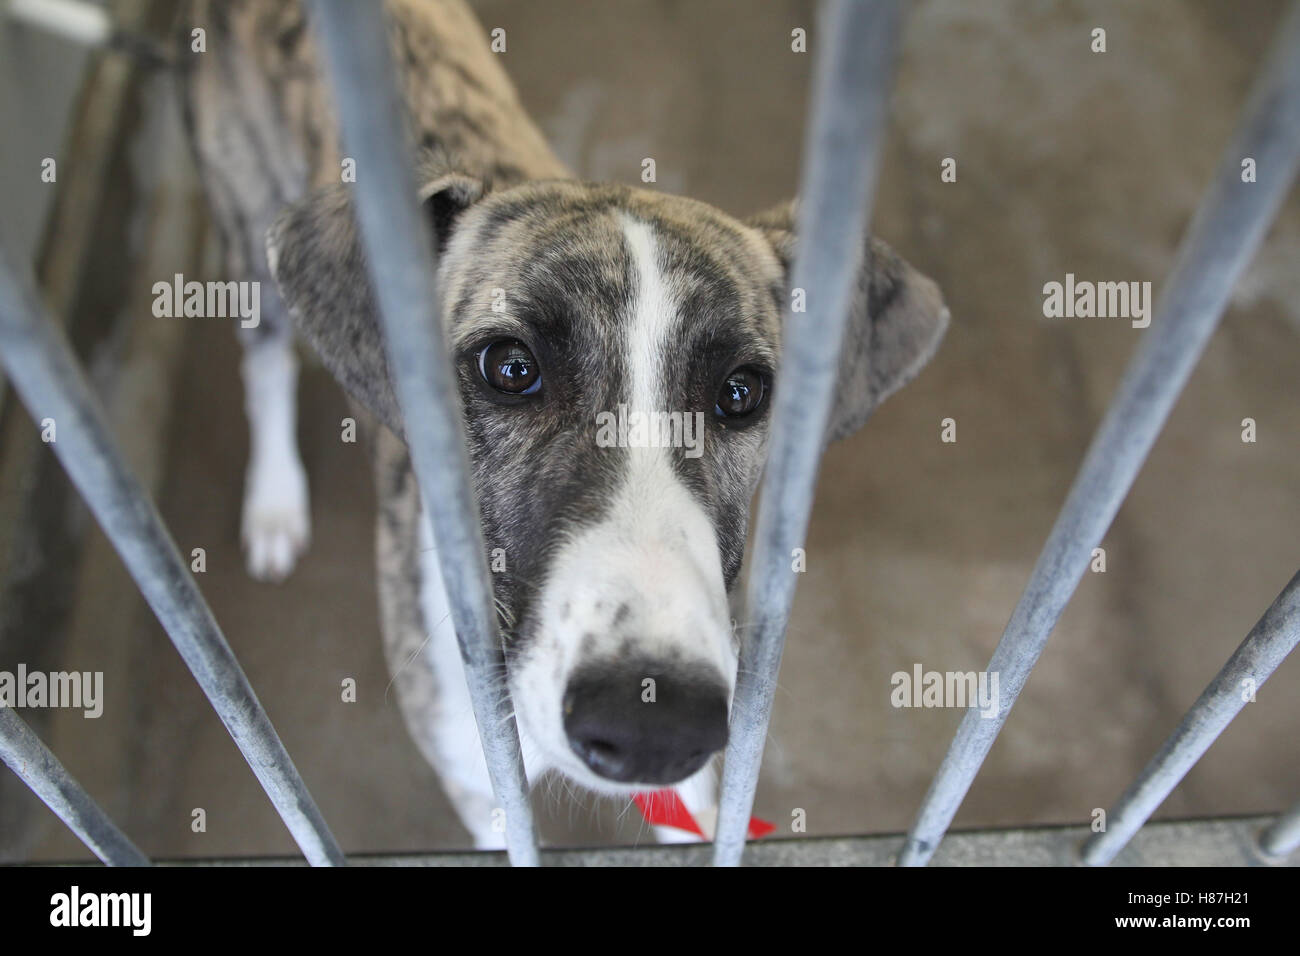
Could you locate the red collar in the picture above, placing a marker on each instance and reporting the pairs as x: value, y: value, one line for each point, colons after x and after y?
x: 663, y: 808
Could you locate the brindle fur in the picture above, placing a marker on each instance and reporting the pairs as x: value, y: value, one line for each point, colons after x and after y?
x: 506, y: 217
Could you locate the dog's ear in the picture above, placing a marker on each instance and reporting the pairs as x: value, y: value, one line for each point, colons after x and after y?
x: 315, y: 253
x: 897, y: 322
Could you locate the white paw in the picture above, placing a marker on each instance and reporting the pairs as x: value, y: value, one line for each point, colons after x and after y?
x: 276, y: 525
x: 489, y: 840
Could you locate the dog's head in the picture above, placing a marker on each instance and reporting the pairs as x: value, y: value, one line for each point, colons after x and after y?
x: 617, y: 353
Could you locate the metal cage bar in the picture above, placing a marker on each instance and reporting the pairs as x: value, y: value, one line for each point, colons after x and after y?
x: 841, y: 159
x: 37, y: 767
x: 1223, y: 236
x: 1272, y: 638
x: 401, y: 263
x: 38, y: 360
x: 1283, y: 834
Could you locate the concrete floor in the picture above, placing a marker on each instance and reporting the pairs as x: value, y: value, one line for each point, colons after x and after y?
x: 1068, y: 161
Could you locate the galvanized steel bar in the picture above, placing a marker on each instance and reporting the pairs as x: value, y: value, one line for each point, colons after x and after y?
x: 44, y: 371
x: 841, y: 157
x: 1265, y: 647
x: 1220, y: 241
x: 37, y: 767
x: 401, y: 264
x: 1282, y: 835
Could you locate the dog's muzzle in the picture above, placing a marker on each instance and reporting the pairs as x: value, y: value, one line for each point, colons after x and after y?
x: 645, y: 723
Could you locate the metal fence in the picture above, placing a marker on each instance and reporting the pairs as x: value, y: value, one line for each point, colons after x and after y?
x: 841, y: 151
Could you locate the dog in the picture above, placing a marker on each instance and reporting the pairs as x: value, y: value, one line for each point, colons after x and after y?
x: 563, y: 303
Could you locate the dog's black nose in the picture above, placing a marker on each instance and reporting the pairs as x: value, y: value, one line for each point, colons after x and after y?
x: 645, y: 724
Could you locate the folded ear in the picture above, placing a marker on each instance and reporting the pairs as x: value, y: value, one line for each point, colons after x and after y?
x: 315, y: 253
x: 897, y: 322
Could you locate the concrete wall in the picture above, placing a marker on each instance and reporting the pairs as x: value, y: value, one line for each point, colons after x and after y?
x: 40, y: 76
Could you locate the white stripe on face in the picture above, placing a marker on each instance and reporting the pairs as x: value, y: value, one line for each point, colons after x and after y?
x: 652, y: 324
x: 645, y: 582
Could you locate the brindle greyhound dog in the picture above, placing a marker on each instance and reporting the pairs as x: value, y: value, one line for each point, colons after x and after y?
x: 563, y: 302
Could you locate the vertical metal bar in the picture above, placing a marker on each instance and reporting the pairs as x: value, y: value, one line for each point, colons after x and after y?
x: 1265, y: 647
x: 37, y: 767
x: 841, y: 157
x: 1220, y: 241
x: 44, y: 371
x: 401, y: 262
x: 1283, y: 834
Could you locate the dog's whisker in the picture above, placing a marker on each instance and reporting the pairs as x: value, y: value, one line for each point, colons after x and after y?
x: 414, y: 654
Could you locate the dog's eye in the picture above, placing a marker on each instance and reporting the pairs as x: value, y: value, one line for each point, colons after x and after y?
x: 509, y: 367
x: 742, y: 393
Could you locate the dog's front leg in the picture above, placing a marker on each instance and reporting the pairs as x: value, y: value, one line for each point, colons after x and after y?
x: 428, y: 677
x: 447, y: 733
x: 276, y: 522
x: 452, y: 745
